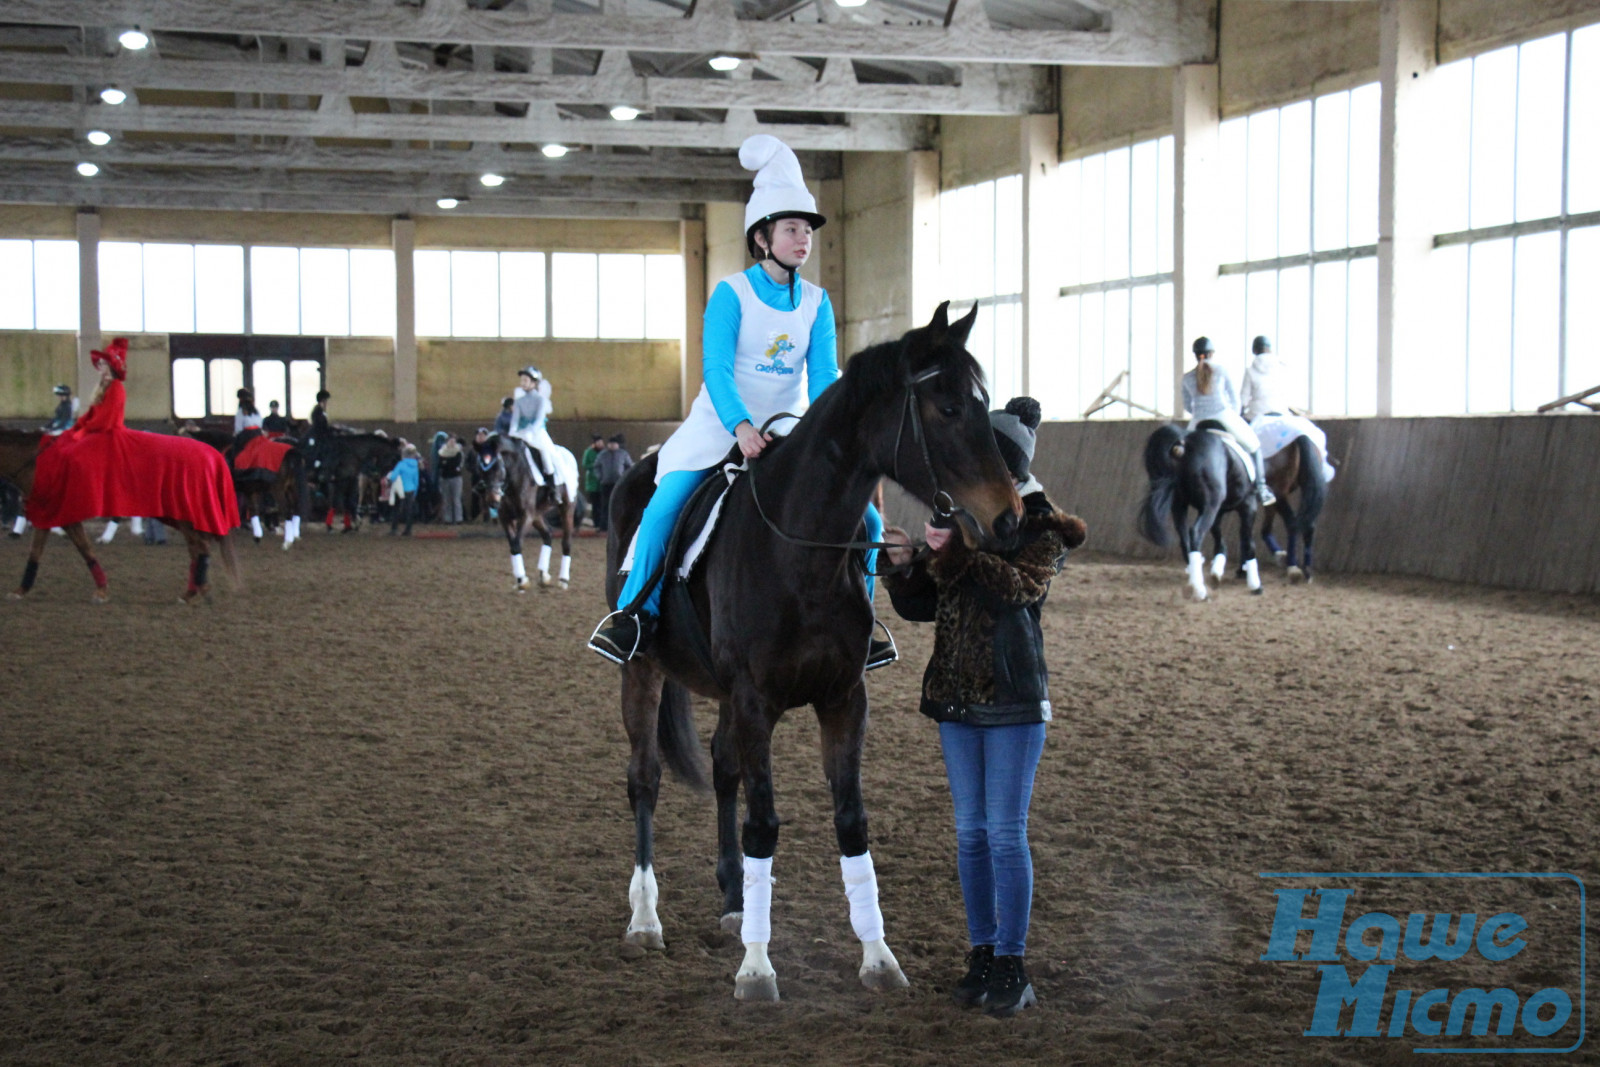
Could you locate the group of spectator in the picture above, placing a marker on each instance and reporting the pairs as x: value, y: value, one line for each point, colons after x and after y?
x: 605, y: 461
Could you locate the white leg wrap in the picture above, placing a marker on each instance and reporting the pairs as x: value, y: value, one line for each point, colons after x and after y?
x: 861, y: 888
x: 111, y: 531
x: 1197, y: 580
x: 20, y: 525
x: 544, y: 560
x: 642, y: 895
x: 295, y: 521
x: 255, y: 526
x: 566, y: 568
x: 1252, y: 574
x: 1219, y: 564
x: 756, y: 927
x: 518, y: 570
x: 136, y: 524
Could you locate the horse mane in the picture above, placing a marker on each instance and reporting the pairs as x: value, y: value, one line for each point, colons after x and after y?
x: 879, y: 372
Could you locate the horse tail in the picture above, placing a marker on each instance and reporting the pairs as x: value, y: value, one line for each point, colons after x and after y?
x: 1313, y: 486
x: 677, y: 739
x: 230, y: 560
x: 1161, y: 454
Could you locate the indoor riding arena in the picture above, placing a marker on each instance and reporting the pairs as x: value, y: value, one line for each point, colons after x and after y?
x: 313, y: 761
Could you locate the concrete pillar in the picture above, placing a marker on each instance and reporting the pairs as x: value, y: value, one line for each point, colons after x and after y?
x: 404, y: 240
x: 922, y: 210
x: 1196, y: 122
x: 88, y: 299
x: 1407, y: 55
x: 1041, y: 158
x: 692, y: 246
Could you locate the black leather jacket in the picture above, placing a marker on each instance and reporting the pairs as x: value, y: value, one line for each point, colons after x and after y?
x: 988, y: 666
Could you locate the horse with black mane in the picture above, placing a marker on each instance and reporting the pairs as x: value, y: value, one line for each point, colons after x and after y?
x: 1199, y: 472
x: 265, y: 491
x: 515, y: 492
x: 1296, y: 468
x: 781, y: 618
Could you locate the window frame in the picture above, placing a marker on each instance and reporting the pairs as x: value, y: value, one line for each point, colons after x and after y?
x: 247, y: 349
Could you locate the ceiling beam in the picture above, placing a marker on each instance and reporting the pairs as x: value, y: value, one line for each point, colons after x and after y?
x: 659, y: 164
x: 83, y: 195
x: 863, y: 133
x: 1157, y: 33
x: 985, y: 89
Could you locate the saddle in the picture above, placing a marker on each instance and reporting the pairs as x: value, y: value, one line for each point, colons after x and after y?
x: 1231, y: 441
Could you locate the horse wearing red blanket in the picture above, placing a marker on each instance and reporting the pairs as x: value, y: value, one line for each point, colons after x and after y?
x: 100, y: 467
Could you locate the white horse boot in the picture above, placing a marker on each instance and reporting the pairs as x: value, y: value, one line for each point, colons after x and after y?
x: 111, y: 531
x: 566, y: 571
x: 1197, y: 578
x: 644, y: 928
x: 1252, y: 575
x: 879, y: 969
x: 756, y: 980
x: 1219, y: 567
x: 544, y: 564
x: 255, y: 527
x: 519, y: 573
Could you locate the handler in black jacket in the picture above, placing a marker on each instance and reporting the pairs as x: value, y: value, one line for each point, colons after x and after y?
x: 988, y: 688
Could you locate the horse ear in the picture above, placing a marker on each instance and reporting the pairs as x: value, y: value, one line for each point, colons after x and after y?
x: 963, y: 327
x: 941, y: 318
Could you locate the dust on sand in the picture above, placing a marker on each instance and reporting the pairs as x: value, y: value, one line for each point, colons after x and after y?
x: 373, y: 806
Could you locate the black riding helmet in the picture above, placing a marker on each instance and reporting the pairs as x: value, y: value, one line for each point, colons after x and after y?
x: 1203, y: 346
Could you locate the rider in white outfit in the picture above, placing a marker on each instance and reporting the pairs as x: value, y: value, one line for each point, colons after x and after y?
x: 1262, y: 392
x: 529, y: 412
x: 1218, y: 403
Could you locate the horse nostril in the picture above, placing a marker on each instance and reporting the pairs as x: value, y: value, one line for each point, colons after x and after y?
x: 1006, y: 524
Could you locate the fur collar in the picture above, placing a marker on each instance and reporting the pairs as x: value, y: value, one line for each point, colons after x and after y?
x: 1042, y: 516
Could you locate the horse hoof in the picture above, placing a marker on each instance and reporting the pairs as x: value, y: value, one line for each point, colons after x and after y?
x: 732, y: 922
x: 1281, y: 557
x: 15, y: 596
x: 756, y: 988
x: 647, y: 938
x: 565, y: 583
x: 883, y: 978
x: 100, y: 598
x: 520, y: 585
x: 544, y: 579
x: 1257, y: 591
x: 1296, y: 574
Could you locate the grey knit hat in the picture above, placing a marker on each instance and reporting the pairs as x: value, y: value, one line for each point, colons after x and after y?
x: 1015, y: 429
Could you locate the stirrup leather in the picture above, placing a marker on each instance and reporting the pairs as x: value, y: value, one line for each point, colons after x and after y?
x: 609, y: 651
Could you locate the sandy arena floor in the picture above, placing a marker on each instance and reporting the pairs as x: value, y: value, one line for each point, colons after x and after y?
x: 373, y: 807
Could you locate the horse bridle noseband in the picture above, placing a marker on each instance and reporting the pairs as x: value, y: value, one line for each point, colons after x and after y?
x: 944, y: 505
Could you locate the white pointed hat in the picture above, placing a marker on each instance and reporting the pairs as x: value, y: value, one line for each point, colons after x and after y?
x: 780, y: 190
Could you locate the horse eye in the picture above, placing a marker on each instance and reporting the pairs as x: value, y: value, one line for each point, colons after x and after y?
x: 950, y: 411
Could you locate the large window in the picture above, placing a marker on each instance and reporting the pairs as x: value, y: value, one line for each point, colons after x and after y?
x: 1116, y: 313
x: 39, y: 285
x: 588, y: 295
x: 322, y: 292
x: 171, y: 288
x: 1517, y: 259
x: 980, y: 260
x: 209, y: 370
x: 1299, y: 232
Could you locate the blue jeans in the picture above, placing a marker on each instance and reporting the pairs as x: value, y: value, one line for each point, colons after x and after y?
x: 661, y: 515
x: 991, y: 769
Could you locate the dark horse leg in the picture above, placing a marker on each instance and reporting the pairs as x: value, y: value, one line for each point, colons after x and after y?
x: 844, y: 730
x: 30, y: 572
x: 1193, y: 537
x: 641, y: 698
x: 749, y: 726
x: 566, y: 543
x: 515, y: 525
x: 730, y: 863
x: 199, y: 563
x: 1247, y: 545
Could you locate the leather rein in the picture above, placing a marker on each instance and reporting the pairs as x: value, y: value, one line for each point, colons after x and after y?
x: 944, y: 506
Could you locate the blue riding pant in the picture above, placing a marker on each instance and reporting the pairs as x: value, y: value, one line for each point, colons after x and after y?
x: 661, y: 515
x: 990, y: 769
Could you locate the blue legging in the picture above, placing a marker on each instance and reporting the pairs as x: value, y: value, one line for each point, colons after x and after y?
x: 655, y: 529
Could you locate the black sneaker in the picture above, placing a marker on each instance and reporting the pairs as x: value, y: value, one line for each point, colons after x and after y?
x: 881, y: 653
x: 1009, y: 989
x: 973, y: 989
x: 621, y: 635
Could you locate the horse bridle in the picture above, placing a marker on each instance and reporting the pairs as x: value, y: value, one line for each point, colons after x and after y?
x: 944, y: 505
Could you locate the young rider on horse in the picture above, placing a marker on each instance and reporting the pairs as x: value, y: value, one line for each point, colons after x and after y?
x: 529, y: 411
x: 762, y: 328
x: 1208, y: 394
x: 987, y: 688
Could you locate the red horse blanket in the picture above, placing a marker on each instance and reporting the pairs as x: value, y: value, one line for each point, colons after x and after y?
x: 102, y: 468
x: 261, y: 453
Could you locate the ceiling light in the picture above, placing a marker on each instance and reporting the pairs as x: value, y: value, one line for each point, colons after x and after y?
x: 447, y: 202
x: 850, y: 3
x: 624, y: 113
x: 112, y: 95
x: 492, y: 180
x: 98, y: 138
x: 88, y: 170
x: 133, y: 40
x: 725, y: 63
x: 555, y: 151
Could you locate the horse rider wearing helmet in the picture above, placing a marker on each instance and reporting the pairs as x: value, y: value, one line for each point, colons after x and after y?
x: 1208, y: 394
x: 66, y: 411
x: 530, y: 409
x: 770, y: 346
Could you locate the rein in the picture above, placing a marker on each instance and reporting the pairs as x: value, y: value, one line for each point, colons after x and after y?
x: 943, y: 503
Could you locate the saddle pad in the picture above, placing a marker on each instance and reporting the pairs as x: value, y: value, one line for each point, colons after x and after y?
x: 697, y: 545
x: 1238, y: 449
x: 1278, y: 432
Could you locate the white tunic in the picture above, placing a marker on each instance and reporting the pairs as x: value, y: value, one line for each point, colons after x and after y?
x: 769, y: 362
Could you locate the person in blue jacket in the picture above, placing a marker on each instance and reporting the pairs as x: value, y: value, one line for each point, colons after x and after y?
x: 770, y: 345
x: 408, y: 473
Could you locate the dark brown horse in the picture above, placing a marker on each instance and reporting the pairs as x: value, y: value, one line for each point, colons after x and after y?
x: 1297, y: 468
x: 514, y: 493
x: 784, y: 620
x: 1198, y: 471
x: 19, y: 450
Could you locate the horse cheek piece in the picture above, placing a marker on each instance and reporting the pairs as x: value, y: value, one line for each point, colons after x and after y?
x: 783, y: 611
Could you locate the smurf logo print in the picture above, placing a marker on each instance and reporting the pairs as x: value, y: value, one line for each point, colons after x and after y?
x: 778, y: 346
